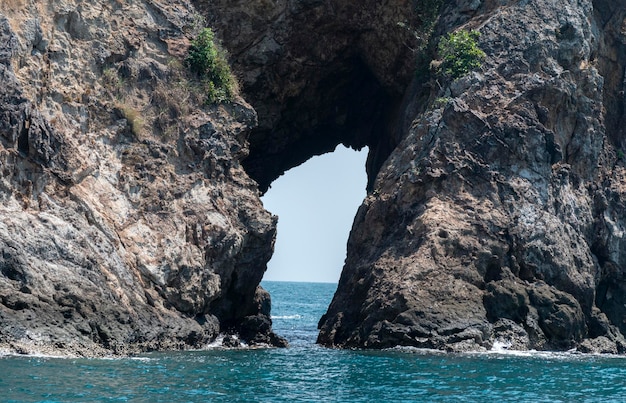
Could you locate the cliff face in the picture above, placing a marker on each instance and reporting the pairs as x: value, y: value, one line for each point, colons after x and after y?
x: 130, y: 214
x: 126, y: 221
x: 500, y: 215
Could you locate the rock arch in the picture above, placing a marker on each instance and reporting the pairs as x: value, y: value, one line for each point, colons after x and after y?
x: 318, y: 74
x: 342, y: 74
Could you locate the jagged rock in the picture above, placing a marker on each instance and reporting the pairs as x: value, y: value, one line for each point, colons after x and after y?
x: 491, y: 220
x: 599, y: 345
x: 495, y: 203
x: 319, y: 74
x: 126, y: 221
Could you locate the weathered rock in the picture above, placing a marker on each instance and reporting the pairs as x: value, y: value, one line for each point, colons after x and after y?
x: 496, y: 218
x: 126, y: 220
x: 319, y: 73
x: 495, y: 205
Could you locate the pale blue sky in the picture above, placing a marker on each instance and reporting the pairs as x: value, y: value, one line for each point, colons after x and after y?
x: 316, y: 203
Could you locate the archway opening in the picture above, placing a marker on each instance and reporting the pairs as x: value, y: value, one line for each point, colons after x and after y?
x: 316, y: 203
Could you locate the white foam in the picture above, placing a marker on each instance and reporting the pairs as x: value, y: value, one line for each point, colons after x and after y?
x: 9, y: 353
x: 287, y: 317
x: 501, y: 346
x: 217, y: 344
x: 504, y: 348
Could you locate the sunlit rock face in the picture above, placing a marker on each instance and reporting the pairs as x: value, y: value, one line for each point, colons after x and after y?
x: 499, y: 216
x: 130, y: 214
x: 126, y: 220
x: 494, y: 199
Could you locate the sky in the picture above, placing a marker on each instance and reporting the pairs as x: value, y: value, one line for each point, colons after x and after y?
x: 315, y: 203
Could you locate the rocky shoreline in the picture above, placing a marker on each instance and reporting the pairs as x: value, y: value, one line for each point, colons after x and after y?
x: 130, y: 217
x: 127, y: 223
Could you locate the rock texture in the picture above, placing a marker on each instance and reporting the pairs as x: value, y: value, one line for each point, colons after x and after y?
x: 126, y: 220
x: 130, y: 217
x: 319, y: 73
x: 500, y: 215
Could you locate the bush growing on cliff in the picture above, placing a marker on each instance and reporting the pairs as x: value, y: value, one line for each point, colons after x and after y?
x: 205, y: 59
x: 460, y: 53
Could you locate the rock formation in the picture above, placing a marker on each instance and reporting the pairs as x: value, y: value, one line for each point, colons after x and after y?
x: 127, y: 222
x: 500, y: 215
x: 319, y: 73
x: 130, y: 214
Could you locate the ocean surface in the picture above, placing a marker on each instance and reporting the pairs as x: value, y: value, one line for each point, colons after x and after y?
x: 306, y: 372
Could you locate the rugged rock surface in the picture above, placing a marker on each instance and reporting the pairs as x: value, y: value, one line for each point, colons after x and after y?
x: 495, y: 212
x: 319, y: 73
x: 126, y: 220
x: 500, y: 216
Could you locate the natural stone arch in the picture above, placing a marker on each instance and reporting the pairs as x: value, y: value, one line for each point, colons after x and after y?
x: 318, y: 74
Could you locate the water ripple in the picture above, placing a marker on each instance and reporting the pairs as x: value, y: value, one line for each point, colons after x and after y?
x: 309, y: 373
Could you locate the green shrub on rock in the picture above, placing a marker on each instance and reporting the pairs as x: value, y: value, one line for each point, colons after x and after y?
x: 206, y: 60
x: 459, y: 53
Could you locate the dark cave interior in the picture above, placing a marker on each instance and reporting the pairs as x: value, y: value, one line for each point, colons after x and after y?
x: 345, y: 106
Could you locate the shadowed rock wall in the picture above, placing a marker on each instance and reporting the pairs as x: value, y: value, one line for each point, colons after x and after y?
x: 319, y: 74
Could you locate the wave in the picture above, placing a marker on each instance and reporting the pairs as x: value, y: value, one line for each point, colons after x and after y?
x: 4, y: 353
x: 501, y: 348
x: 13, y: 354
x: 218, y: 343
x: 504, y: 348
x: 235, y: 343
x: 287, y: 317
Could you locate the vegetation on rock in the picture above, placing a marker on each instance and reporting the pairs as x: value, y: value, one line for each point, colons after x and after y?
x: 460, y: 53
x: 209, y: 62
x: 133, y: 117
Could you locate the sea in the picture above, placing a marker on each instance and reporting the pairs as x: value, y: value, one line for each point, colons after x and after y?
x: 306, y: 372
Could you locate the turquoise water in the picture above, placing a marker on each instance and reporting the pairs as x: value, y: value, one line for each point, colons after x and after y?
x: 306, y: 372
